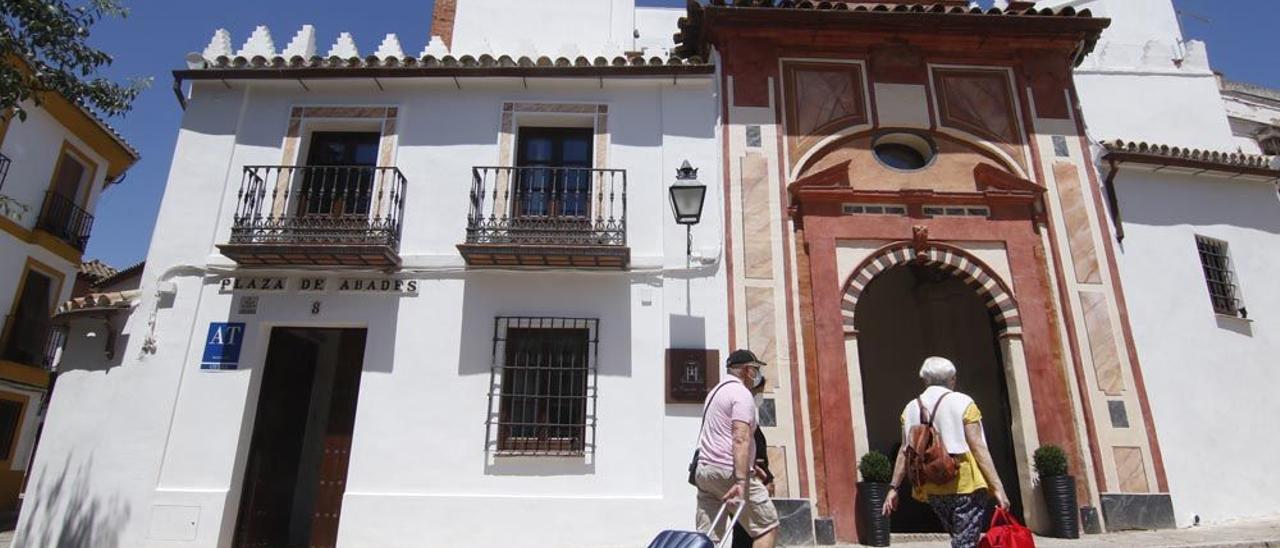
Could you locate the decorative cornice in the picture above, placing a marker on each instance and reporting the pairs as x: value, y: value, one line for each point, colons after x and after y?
x: 693, y: 33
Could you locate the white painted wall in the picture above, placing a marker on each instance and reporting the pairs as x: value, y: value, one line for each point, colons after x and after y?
x: 1143, y: 82
x: 564, y: 27
x: 157, y: 446
x: 33, y: 147
x: 1208, y: 377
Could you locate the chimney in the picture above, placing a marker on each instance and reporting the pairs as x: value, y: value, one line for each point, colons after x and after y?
x: 442, y: 18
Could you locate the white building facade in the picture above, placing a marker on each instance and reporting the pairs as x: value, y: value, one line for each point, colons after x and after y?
x: 54, y: 166
x: 1195, y: 215
x: 482, y: 350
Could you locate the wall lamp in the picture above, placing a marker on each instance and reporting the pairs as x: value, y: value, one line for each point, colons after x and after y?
x: 687, y: 198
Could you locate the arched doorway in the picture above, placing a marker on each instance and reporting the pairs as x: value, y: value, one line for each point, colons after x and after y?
x: 909, y: 312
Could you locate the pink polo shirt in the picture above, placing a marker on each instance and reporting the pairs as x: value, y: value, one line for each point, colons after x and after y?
x: 730, y: 401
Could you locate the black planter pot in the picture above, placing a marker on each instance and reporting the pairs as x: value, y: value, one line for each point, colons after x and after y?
x: 873, y: 527
x: 1060, y: 499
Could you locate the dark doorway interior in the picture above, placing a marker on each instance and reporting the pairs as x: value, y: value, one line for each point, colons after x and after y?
x: 301, y: 445
x: 905, y: 315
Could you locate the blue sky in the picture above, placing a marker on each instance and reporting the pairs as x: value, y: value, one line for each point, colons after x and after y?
x: 157, y: 33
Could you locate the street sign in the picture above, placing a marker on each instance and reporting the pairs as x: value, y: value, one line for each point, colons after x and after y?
x: 222, y: 346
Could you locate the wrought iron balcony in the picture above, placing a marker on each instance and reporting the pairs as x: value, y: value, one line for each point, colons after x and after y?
x: 318, y: 215
x: 547, y: 216
x: 61, y: 217
x: 4, y: 169
x: 32, y: 343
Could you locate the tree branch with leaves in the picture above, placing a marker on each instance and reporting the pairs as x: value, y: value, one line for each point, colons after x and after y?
x: 44, y: 49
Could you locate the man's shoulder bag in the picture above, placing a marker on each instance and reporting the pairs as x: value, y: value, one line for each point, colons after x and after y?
x: 927, y: 458
x: 693, y: 464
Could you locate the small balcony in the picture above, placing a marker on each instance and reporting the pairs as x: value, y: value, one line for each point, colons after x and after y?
x: 62, y: 218
x: 547, y: 217
x: 31, y: 342
x: 340, y: 216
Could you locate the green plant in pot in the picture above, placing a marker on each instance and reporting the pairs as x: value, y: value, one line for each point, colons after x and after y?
x: 877, y: 472
x: 1059, y: 489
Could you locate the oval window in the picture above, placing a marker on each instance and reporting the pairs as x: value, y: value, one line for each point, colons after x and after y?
x: 904, y: 151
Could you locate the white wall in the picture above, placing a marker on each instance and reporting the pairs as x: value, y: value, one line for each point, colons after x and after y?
x: 564, y: 27
x: 159, y: 445
x: 656, y: 28
x: 33, y: 147
x: 1143, y: 82
x: 1208, y: 377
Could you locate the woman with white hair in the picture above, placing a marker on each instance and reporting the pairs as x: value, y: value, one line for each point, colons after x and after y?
x: 960, y: 502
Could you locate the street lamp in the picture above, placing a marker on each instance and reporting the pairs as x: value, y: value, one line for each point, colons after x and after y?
x: 687, y: 198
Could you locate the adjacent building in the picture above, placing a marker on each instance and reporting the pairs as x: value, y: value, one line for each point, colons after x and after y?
x: 54, y: 167
x: 408, y: 296
x: 452, y: 296
x: 1193, y: 213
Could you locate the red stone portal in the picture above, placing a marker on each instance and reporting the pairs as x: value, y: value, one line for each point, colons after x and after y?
x: 956, y: 93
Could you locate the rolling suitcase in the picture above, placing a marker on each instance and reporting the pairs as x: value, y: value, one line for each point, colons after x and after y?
x: 701, y: 539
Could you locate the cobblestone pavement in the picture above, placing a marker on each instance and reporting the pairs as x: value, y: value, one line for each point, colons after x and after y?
x: 1264, y: 533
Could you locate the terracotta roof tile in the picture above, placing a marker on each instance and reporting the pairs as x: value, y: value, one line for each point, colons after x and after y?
x: 259, y: 52
x: 96, y: 270
x: 99, y: 302
x: 1231, y: 159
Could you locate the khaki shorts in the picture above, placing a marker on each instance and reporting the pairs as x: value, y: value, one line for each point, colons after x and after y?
x: 759, y: 518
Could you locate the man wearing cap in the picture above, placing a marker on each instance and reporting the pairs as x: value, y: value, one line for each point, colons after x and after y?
x: 726, y: 454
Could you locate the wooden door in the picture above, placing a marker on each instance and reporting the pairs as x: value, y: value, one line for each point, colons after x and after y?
x: 270, y: 479
x: 337, y: 440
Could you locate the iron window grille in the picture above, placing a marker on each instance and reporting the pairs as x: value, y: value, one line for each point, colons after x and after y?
x: 542, y: 387
x: 1220, y: 277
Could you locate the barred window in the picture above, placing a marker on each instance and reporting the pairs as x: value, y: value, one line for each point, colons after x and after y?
x: 1220, y: 277
x: 543, y: 386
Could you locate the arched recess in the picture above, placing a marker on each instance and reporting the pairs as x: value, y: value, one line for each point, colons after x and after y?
x: 996, y: 295
x: 842, y: 137
x: 1006, y: 323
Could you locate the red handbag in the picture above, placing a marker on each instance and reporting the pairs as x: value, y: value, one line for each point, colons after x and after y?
x: 1006, y: 532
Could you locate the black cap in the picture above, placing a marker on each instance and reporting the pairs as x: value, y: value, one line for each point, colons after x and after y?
x: 742, y: 357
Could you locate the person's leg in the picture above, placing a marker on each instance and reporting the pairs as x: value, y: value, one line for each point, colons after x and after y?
x: 760, y: 518
x: 713, y: 482
x: 943, y: 508
x: 968, y: 520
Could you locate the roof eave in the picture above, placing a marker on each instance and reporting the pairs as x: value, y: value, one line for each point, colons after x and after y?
x: 1124, y: 157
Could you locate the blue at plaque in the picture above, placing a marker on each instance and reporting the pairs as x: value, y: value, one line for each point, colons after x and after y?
x: 222, y: 346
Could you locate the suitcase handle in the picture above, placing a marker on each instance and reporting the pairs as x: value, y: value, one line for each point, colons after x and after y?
x: 727, y: 539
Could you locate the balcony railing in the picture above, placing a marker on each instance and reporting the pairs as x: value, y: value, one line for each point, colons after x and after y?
x: 4, y: 169
x: 32, y: 343
x: 61, y: 217
x: 318, y: 215
x: 547, y: 216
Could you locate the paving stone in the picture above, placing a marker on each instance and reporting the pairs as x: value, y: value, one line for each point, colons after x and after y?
x: 1263, y: 533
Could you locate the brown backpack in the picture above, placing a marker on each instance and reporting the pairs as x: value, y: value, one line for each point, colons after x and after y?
x: 927, y: 458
